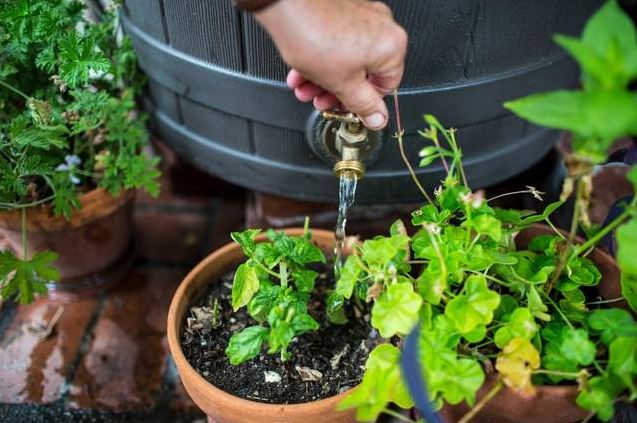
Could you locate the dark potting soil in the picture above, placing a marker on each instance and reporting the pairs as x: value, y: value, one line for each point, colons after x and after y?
x: 323, y: 363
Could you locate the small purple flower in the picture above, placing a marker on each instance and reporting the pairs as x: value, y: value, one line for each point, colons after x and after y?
x: 71, y: 162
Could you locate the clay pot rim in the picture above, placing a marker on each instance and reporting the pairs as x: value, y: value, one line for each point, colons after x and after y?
x: 94, y: 205
x: 174, y: 325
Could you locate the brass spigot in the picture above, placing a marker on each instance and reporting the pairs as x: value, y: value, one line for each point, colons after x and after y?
x: 351, y: 137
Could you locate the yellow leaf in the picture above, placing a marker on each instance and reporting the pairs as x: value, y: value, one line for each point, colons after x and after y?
x: 516, y: 363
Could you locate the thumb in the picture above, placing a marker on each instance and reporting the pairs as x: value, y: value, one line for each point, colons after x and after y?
x: 364, y: 100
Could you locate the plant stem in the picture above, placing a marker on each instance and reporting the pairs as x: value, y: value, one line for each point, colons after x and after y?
x: 399, y: 137
x: 562, y: 315
x: 506, y: 194
x: 556, y: 373
x: 614, y: 300
x: 557, y: 231
x: 565, y: 255
x: 283, y: 274
x: 476, y: 408
x: 14, y: 89
x: 24, y: 233
x: 600, y: 234
x: 24, y: 206
x: 397, y: 415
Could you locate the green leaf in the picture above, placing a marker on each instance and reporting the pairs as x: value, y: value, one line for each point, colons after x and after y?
x: 396, y: 310
x: 381, y: 250
x: 475, y: 306
x: 304, y: 279
x: 264, y: 300
x: 612, y: 323
x: 381, y: 384
x: 246, y: 240
x: 485, y: 224
x: 536, y: 218
x: 622, y: 361
x: 432, y: 283
x: 246, y: 345
x: 80, y: 57
x: 520, y: 325
x: 281, y: 334
x: 627, y: 247
x: 507, y: 305
x: 335, y: 310
x: 601, y: 115
x: 629, y: 289
x: 582, y: 271
x: 304, y: 323
x: 577, y: 347
x: 25, y: 278
x: 599, y: 396
x: 349, y: 275
x: 535, y: 304
x: 244, y: 286
x: 607, y: 51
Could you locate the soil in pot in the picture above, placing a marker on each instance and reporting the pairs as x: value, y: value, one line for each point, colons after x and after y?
x: 323, y: 363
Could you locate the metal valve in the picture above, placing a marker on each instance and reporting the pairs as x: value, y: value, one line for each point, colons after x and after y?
x: 351, y: 138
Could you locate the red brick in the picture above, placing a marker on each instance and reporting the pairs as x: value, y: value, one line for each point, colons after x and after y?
x: 171, y: 237
x: 33, y: 370
x: 124, y: 365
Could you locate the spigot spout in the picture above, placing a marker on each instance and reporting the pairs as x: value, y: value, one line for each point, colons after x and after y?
x: 352, y: 137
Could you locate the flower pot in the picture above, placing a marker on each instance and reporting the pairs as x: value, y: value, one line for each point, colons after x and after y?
x: 94, y: 247
x: 551, y: 404
x: 221, y: 406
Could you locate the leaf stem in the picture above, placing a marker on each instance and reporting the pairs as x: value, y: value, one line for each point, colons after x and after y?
x: 565, y: 255
x: 24, y: 233
x: 614, y: 300
x: 14, y: 89
x: 600, y: 234
x: 557, y: 231
x: 559, y: 311
x: 397, y: 415
x: 399, y: 137
x: 556, y: 373
x: 480, y: 405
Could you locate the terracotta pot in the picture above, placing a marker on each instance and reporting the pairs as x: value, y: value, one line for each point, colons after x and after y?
x: 94, y: 247
x: 221, y: 406
x: 551, y: 404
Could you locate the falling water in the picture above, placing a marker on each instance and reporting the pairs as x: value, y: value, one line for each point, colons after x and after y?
x: 346, y: 195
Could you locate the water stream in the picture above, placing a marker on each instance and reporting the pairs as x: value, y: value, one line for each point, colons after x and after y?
x: 346, y: 195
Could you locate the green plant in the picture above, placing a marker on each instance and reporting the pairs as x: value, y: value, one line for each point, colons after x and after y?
x: 275, y: 284
x: 484, y: 300
x: 69, y: 119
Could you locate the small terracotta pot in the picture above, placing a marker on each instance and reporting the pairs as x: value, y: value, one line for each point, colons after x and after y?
x: 94, y: 247
x: 551, y: 404
x: 221, y: 406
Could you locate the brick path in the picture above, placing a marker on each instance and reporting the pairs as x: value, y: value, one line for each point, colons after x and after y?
x: 107, y: 358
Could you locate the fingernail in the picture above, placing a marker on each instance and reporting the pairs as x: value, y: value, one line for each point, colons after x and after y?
x: 375, y: 121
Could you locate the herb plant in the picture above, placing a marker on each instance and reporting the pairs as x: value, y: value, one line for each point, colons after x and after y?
x: 485, y: 303
x: 69, y: 120
x: 275, y: 284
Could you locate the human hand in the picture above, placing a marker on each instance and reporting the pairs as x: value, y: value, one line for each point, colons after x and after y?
x: 346, y: 52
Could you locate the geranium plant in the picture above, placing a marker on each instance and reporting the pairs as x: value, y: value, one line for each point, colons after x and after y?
x: 69, y: 120
x: 532, y: 313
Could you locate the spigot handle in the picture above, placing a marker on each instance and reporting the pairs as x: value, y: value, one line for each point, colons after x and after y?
x: 342, y: 117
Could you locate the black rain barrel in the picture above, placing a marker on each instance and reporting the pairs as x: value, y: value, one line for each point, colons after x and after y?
x: 217, y: 93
